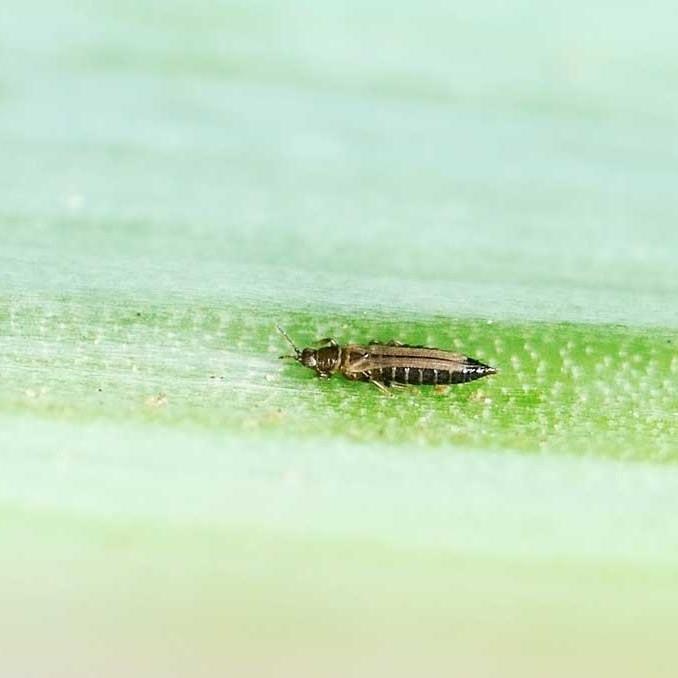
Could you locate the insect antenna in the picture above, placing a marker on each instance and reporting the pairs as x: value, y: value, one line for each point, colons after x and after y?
x: 297, y: 352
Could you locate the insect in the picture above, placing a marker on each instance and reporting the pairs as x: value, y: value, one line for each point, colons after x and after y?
x: 388, y: 364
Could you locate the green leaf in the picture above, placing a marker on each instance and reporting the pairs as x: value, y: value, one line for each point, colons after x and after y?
x: 178, y: 178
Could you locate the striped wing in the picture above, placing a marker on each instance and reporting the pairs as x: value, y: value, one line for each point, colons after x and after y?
x: 379, y: 356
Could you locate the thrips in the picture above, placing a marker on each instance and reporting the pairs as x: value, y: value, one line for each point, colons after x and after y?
x: 387, y: 364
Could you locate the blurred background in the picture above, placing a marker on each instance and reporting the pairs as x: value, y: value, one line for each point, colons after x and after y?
x: 176, y: 177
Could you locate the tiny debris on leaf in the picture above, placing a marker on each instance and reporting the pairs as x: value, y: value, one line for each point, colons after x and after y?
x: 156, y: 401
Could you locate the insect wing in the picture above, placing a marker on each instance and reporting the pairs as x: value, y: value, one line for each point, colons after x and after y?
x: 379, y: 356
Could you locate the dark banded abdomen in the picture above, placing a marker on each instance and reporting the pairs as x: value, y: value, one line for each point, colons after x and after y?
x: 426, y: 376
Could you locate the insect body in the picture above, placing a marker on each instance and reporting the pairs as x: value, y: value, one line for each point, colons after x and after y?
x: 388, y: 364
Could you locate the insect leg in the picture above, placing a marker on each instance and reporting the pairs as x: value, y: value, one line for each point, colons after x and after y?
x: 378, y: 384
